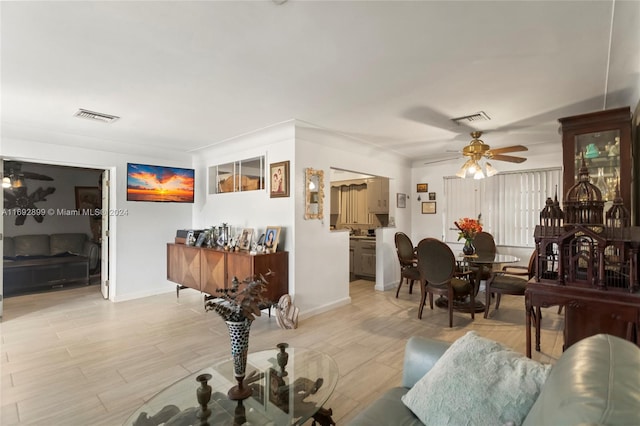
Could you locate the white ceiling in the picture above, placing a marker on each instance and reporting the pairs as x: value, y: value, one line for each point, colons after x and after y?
x: 184, y: 75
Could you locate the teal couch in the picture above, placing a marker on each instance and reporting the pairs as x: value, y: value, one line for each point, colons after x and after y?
x: 596, y: 381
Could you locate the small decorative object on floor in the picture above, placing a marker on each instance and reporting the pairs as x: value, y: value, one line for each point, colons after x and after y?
x: 469, y: 228
x: 283, y: 358
x: 287, y: 313
x: 204, y: 396
x: 239, y: 308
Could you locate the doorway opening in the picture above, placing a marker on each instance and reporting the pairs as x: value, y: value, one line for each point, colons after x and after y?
x: 53, y: 228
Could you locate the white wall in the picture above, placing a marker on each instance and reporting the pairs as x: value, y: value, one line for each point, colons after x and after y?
x: 250, y: 209
x: 138, y: 256
x: 432, y: 225
x: 322, y: 256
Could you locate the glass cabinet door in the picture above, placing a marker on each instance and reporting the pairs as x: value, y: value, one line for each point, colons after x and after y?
x: 601, y: 153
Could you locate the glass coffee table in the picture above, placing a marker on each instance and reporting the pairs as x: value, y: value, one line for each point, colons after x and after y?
x: 282, y: 395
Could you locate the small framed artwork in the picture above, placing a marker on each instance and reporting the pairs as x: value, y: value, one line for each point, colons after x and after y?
x: 88, y: 198
x: 428, y: 207
x: 200, y: 239
x: 245, y: 239
x: 432, y: 196
x: 271, y: 237
x: 279, y: 176
x: 422, y: 187
x: 401, y: 200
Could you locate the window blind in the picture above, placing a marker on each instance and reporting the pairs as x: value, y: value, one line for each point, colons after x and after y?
x: 510, y: 203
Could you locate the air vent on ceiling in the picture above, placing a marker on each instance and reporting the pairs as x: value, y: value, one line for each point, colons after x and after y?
x: 97, y: 116
x: 478, y: 116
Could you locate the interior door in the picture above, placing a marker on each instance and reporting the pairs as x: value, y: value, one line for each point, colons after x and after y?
x: 1, y: 243
x: 104, y: 258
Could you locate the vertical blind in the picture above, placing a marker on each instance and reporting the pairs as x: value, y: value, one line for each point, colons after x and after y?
x: 510, y: 203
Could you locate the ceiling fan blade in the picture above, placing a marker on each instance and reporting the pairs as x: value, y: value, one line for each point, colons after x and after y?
x: 509, y: 158
x: 506, y: 149
x: 35, y: 176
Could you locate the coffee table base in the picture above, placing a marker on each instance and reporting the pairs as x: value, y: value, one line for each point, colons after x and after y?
x: 323, y: 417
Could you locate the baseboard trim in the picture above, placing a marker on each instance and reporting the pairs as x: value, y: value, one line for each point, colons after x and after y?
x: 324, y: 308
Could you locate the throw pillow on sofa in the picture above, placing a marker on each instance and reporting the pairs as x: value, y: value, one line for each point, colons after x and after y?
x: 477, y: 381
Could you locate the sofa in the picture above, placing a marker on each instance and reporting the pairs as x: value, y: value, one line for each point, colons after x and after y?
x: 595, y: 381
x: 40, y: 262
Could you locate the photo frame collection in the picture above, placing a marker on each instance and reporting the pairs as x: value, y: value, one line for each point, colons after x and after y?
x: 279, y: 178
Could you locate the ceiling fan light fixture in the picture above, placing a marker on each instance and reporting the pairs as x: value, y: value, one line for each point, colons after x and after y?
x: 478, y: 174
x: 491, y: 171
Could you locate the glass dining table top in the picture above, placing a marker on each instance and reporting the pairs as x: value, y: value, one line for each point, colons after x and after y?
x: 281, y: 396
x: 491, y: 259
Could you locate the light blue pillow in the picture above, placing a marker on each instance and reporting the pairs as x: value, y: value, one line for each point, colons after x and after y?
x: 477, y: 381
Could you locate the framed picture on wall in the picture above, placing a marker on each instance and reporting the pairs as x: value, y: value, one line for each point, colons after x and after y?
x: 401, y: 200
x: 422, y: 187
x: 88, y: 198
x: 432, y: 196
x: 428, y: 207
x: 279, y: 178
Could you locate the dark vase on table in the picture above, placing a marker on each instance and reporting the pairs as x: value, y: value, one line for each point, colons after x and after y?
x: 468, y: 249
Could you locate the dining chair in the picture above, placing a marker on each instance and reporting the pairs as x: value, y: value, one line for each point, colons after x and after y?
x: 438, y: 275
x: 510, y: 280
x: 485, y: 247
x: 408, y: 263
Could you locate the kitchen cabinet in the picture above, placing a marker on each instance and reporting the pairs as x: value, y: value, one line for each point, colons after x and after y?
x: 603, y: 138
x: 352, y: 248
x: 378, y: 195
x: 364, y: 257
x: 334, y: 201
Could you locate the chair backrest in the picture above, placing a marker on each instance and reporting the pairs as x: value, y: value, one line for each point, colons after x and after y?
x: 404, y: 248
x: 436, y: 262
x: 485, y: 244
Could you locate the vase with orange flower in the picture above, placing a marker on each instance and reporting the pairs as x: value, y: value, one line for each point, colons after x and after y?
x: 468, y: 229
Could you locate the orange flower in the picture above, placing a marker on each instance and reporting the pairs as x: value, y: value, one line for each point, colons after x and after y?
x: 468, y: 227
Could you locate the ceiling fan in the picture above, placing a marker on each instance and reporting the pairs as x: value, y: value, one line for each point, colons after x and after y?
x: 477, y: 150
x: 16, y: 195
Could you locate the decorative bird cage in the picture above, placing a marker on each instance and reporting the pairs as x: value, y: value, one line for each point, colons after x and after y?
x: 583, y: 203
x: 617, y: 218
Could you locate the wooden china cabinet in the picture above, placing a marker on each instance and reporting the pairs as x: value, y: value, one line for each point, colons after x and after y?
x: 603, y: 138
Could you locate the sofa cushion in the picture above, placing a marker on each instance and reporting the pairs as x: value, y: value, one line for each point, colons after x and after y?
x: 9, y: 249
x: 31, y: 245
x: 68, y: 243
x: 477, y: 381
x: 387, y: 410
x: 595, y: 381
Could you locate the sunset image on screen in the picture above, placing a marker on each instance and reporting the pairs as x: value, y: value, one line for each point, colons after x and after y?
x: 157, y: 183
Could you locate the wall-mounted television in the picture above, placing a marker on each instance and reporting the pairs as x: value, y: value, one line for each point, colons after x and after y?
x: 159, y: 183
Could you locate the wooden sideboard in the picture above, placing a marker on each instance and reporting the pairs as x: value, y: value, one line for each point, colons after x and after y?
x: 208, y: 269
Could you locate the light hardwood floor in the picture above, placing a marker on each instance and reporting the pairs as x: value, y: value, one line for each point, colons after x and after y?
x: 70, y: 358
